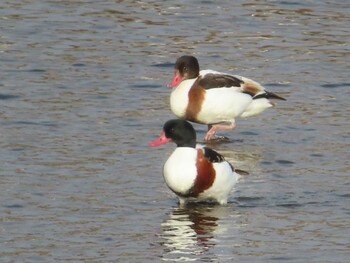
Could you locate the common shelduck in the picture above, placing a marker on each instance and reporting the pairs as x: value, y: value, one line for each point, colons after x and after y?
x: 194, y: 172
x: 215, y: 98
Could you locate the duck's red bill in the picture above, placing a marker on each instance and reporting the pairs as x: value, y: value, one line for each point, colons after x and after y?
x: 176, y: 81
x: 160, y: 141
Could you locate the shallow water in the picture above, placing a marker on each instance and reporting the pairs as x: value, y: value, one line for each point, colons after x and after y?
x: 83, y: 90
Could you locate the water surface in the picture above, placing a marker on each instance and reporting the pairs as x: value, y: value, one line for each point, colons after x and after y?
x: 83, y: 90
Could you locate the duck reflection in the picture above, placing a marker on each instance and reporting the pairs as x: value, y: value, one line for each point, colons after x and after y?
x: 190, y: 231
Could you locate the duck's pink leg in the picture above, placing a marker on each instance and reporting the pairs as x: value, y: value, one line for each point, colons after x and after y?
x: 213, y: 129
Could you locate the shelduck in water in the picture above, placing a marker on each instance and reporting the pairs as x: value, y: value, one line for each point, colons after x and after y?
x: 214, y: 98
x: 193, y: 172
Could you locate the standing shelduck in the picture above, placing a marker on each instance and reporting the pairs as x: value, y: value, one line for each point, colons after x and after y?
x: 214, y: 98
x: 194, y: 172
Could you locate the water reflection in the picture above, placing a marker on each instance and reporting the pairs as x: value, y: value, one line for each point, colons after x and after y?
x: 189, y: 234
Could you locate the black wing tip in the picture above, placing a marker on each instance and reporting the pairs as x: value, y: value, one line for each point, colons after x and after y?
x: 269, y: 95
x: 241, y: 172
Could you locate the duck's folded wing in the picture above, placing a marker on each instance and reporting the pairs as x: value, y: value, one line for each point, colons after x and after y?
x: 216, y: 80
x: 213, y: 156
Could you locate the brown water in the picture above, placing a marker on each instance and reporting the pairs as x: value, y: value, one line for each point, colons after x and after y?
x: 83, y: 90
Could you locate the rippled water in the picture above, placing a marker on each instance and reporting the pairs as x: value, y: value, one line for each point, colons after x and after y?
x: 83, y: 89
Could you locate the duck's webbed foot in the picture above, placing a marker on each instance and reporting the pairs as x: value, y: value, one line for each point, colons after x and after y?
x: 213, y: 129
